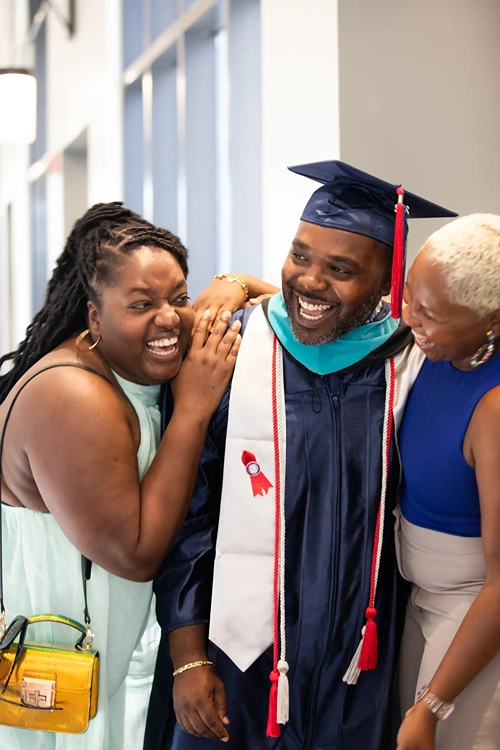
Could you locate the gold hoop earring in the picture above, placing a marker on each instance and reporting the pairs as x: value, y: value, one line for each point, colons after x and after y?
x: 82, y: 336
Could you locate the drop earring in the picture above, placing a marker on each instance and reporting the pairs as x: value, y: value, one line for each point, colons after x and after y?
x: 484, y: 352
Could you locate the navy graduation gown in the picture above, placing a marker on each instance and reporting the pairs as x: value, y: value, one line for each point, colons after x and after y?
x: 333, y: 481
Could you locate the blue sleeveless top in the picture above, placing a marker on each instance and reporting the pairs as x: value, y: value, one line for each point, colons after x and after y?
x: 439, y: 488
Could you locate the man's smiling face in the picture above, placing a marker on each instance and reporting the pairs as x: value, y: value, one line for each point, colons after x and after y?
x: 332, y: 281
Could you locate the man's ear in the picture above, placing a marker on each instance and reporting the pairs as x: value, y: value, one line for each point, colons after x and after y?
x: 385, y: 254
x: 385, y: 289
x: 94, y: 322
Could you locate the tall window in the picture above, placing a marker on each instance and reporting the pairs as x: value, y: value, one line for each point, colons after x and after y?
x: 38, y: 200
x: 192, y: 127
x: 38, y: 192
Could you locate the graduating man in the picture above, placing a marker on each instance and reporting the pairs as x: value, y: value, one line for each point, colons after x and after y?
x: 281, y: 598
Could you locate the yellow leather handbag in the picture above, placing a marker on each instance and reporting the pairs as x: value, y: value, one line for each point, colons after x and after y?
x: 44, y: 686
x: 47, y: 687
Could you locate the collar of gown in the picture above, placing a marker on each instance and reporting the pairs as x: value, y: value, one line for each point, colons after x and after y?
x: 336, y: 355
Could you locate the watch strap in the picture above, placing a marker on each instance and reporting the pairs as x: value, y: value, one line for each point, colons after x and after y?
x: 441, y: 709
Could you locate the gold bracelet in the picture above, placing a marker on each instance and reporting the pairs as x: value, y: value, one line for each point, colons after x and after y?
x: 192, y: 665
x: 231, y: 277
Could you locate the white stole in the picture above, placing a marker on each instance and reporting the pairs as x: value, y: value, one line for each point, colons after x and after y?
x: 241, y: 622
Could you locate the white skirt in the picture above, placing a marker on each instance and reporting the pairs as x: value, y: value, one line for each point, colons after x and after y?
x: 447, y: 573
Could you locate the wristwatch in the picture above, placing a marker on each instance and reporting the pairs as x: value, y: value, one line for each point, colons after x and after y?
x: 439, y: 708
x: 232, y: 277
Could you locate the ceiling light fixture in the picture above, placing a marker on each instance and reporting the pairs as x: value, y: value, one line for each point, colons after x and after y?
x: 17, y: 105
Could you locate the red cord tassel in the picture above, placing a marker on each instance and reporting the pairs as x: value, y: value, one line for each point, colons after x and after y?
x: 368, y: 657
x: 273, y: 729
x: 398, y: 258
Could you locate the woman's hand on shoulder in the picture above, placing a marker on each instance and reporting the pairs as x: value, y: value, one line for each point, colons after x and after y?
x: 221, y: 295
x: 218, y: 297
x: 208, y: 367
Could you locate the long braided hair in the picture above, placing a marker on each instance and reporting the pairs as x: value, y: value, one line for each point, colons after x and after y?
x: 97, y: 245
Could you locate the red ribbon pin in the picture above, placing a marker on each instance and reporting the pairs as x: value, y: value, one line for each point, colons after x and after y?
x: 260, y: 483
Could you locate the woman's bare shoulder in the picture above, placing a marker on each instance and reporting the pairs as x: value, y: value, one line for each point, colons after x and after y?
x: 62, y: 417
x: 67, y: 368
x: 66, y: 387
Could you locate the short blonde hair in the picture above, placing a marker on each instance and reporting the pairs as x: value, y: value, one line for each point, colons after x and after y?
x: 468, y: 251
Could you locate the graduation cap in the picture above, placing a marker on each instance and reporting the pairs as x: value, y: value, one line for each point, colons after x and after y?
x: 358, y: 202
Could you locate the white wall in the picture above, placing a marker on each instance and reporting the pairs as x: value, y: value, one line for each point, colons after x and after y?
x: 84, y: 92
x: 75, y: 184
x: 15, y: 313
x: 300, y: 120
x: 6, y: 25
x: 420, y: 99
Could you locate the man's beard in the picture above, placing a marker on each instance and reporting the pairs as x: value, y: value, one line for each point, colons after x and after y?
x: 345, y: 324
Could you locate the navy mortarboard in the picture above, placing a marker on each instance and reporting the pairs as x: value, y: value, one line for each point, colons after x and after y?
x: 358, y: 202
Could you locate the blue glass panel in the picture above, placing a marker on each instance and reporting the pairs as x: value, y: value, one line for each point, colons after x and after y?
x: 200, y: 158
x: 165, y: 145
x: 134, y: 148
x: 133, y: 30
x: 38, y: 243
x: 38, y: 148
x: 163, y: 14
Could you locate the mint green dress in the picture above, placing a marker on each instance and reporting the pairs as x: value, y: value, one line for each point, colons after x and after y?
x: 42, y: 573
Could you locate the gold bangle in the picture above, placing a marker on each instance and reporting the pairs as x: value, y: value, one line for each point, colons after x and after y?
x: 231, y: 277
x: 192, y: 665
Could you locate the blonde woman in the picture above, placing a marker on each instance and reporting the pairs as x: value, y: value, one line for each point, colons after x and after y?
x: 449, y: 525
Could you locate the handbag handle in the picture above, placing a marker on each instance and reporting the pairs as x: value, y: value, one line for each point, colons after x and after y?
x: 19, y: 626
x: 85, y: 642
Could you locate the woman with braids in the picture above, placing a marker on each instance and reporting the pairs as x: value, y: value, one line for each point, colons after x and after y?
x: 79, y: 469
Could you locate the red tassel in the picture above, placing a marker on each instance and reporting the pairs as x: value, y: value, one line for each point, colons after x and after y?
x: 398, y: 258
x: 369, y: 651
x: 273, y: 729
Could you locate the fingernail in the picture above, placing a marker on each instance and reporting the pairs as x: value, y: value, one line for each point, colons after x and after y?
x: 226, y: 315
x: 236, y: 325
x: 206, y: 314
x: 253, y: 299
